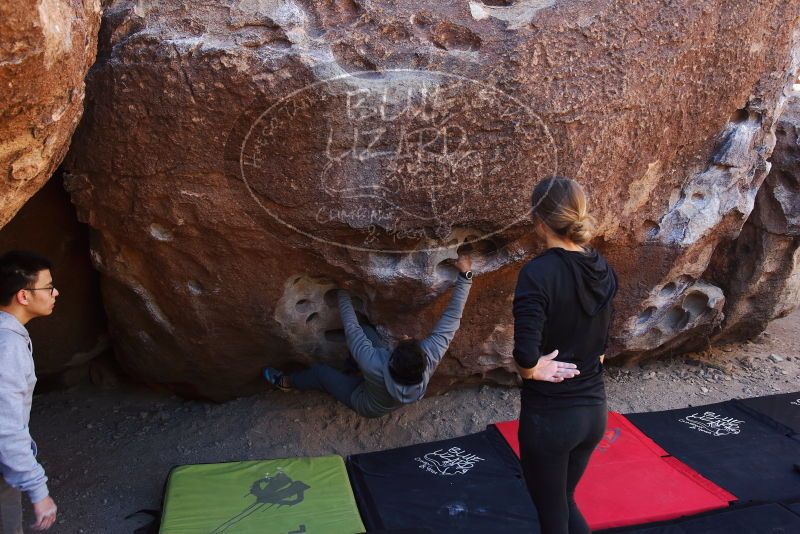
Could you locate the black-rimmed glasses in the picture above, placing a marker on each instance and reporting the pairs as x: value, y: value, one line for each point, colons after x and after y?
x: 49, y: 288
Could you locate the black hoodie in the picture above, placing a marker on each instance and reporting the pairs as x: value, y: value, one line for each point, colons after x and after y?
x: 563, y: 301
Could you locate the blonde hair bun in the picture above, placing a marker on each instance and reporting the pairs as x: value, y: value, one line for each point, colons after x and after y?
x: 582, y: 230
x: 562, y: 205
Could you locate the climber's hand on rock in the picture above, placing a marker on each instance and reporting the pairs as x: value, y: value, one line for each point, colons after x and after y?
x: 343, y: 282
x: 464, y: 262
x: 347, y: 284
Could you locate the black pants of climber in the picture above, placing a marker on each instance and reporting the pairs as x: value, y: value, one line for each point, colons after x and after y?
x: 555, y: 446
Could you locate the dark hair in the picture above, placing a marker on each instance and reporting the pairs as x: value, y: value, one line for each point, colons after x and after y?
x: 407, y: 363
x: 561, y: 204
x: 18, y: 270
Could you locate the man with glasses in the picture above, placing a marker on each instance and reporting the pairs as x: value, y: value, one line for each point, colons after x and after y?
x: 26, y: 292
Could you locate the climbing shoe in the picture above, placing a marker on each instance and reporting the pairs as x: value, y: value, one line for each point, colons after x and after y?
x: 276, y: 378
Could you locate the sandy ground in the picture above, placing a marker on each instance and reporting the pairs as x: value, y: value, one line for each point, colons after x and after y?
x: 108, y: 452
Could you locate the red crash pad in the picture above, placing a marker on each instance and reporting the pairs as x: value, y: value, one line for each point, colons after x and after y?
x: 631, y: 480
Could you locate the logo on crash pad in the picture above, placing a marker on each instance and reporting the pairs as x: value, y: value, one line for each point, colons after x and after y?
x: 795, y: 402
x: 713, y: 424
x: 277, y: 489
x: 453, y: 461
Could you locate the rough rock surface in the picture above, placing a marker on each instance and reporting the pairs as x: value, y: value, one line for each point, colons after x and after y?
x: 238, y: 157
x: 46, y: 49
x: 68, y: 342
x: 760, y: 270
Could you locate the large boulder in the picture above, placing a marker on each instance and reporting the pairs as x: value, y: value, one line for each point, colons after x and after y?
x: 238, y: 157
x: 46, y: 48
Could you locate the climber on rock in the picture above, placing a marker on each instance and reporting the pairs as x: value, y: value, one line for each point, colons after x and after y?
x: 391, y: 378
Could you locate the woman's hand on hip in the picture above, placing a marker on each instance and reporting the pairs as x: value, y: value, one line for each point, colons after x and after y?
x: 547, y: 369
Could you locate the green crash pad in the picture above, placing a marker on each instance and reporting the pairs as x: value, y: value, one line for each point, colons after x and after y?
x: 289, y: 496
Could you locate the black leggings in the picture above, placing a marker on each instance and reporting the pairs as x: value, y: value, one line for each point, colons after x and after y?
x: 555, y: 446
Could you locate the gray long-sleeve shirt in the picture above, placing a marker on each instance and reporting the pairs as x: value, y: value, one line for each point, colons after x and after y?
x: 17, y: 380
x: 380, y: 394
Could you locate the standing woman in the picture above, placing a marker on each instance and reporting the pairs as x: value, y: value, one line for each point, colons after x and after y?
x: 562, y: 314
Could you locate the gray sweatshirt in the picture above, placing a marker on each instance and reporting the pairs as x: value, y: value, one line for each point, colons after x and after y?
x: 17, y: 379
x: 380, y: 394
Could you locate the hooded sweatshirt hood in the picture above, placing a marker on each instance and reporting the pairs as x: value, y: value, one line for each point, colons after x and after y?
x: 9, y: 322
x: 595, y: 281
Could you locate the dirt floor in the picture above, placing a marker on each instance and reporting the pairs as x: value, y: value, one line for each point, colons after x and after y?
x: 108, y: 452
